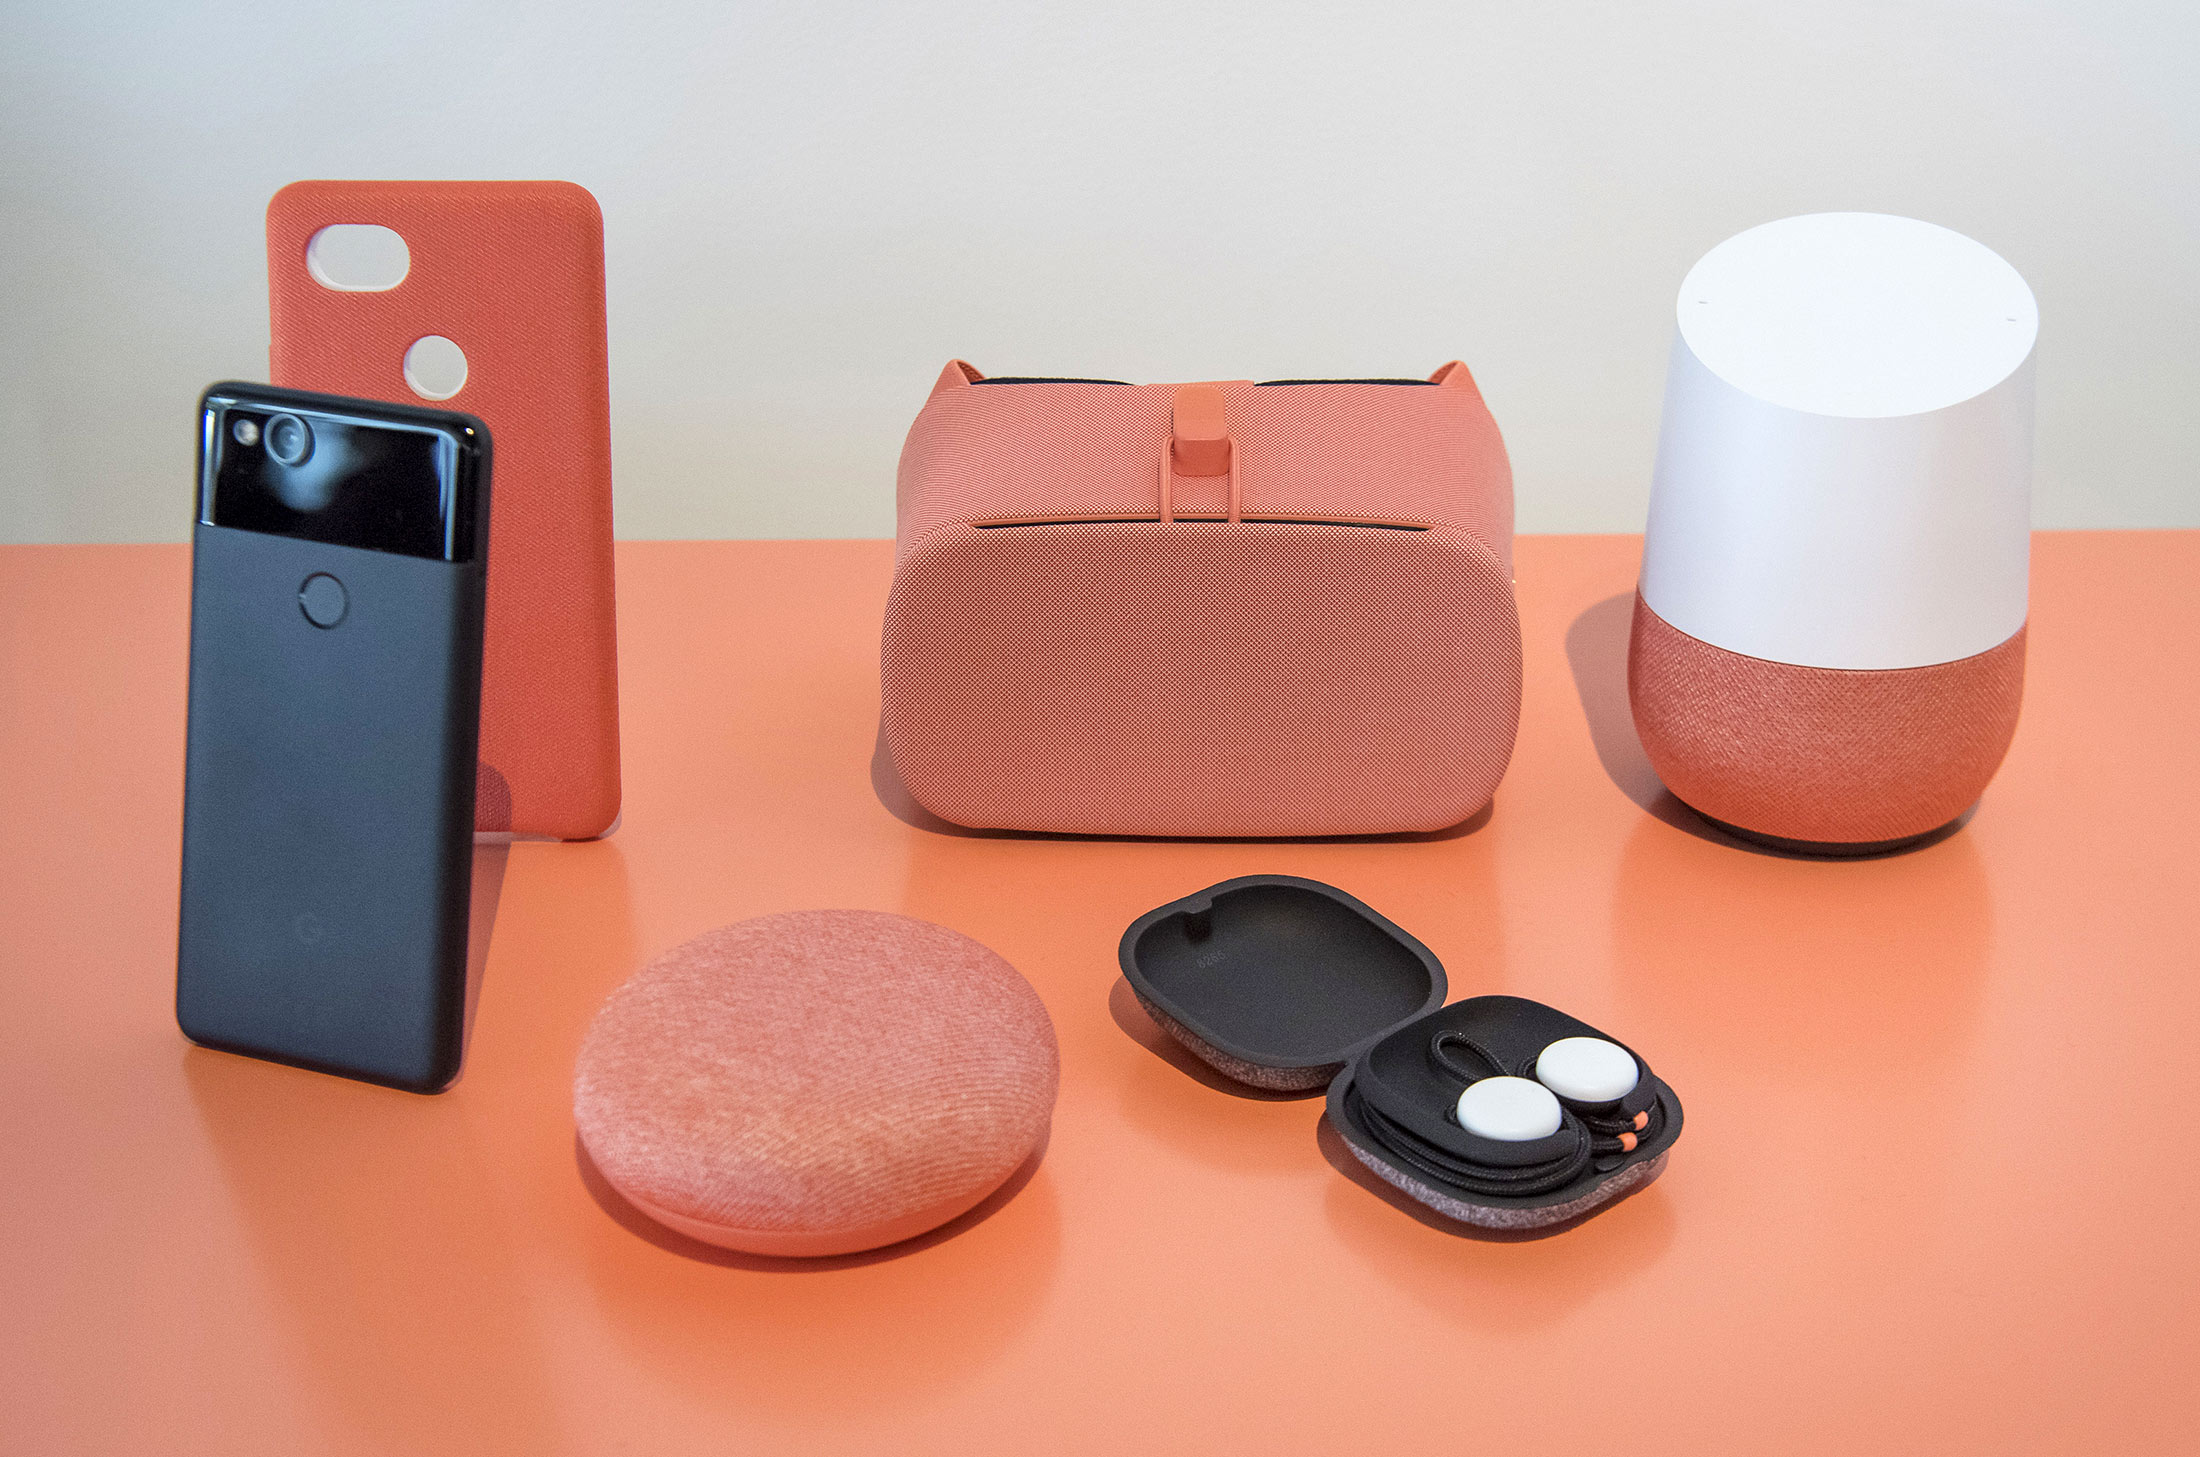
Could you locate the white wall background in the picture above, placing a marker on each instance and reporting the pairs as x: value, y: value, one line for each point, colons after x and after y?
x: 811, y: 207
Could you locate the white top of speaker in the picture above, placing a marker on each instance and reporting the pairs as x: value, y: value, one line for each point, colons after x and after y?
x: 1844, y: 470
x: 1857, y: 314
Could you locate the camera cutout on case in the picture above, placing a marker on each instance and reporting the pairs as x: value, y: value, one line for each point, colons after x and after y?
x: 358, y: 258
x: 435, y: 367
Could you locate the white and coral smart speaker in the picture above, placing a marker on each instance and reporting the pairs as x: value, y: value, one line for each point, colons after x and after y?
x: 1828, y: 645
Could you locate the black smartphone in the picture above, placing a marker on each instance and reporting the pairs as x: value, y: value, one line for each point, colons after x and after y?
x: 337, y: 570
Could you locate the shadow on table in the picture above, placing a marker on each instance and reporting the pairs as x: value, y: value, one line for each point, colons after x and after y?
x: 490, y: 859
x: 1489, y: 1280
x: 1822, y: 975
x: 1171, y: 1096
x: 378, y: 1228
x: 825, y: 1343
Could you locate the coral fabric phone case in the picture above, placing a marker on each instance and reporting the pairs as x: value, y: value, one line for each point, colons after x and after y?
x: 512, y: 273
x: 1208, y: 609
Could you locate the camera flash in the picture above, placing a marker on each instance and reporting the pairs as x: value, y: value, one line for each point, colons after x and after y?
x: 246, y: 432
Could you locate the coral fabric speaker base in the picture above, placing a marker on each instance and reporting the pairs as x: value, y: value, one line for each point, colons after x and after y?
x: 816, y: 1083
x: 1840, y: 756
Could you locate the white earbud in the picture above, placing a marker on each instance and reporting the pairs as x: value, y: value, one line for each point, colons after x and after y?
x: 1587, y: 1070
x: 1511, y: 1110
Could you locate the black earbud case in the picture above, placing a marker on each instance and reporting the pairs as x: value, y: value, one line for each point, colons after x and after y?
x: 1287, y: 985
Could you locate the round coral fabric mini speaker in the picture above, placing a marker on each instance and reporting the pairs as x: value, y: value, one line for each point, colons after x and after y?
x: 816, y: 1083
x: 1828, y: 646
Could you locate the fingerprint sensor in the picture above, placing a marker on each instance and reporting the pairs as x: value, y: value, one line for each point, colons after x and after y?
x: 323, y: 600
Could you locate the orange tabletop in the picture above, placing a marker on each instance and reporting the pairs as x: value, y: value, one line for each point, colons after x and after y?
x: 1936, y: 1191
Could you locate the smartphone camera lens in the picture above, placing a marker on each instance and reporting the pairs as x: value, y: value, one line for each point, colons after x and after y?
x: 288, y: 439
x: 247, y: 432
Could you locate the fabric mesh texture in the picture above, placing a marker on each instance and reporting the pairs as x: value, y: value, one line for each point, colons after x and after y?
x: 1201, y: 678
x: 513, y: 272
x: 817, y: 1082
x: 1092, y: 669
x: 1827, y: 754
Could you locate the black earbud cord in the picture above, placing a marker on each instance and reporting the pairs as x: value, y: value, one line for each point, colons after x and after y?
x: 1595, y: 1136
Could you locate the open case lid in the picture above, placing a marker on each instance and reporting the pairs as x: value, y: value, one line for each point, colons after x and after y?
x: 1277, y: 981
